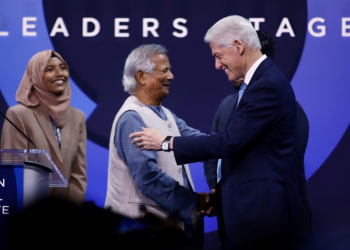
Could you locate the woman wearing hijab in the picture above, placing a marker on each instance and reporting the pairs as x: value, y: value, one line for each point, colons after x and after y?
x: 44, y: 114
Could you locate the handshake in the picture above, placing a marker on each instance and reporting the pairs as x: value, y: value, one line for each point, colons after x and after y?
x: 206, y: 203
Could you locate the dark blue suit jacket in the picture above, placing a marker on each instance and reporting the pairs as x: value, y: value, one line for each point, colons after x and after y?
x: 260, y: 196
x: 220, y: 121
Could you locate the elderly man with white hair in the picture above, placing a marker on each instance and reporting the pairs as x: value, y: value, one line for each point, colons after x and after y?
x: 152, y: 179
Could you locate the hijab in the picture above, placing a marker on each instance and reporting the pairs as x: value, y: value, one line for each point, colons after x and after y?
x: 32, y: 91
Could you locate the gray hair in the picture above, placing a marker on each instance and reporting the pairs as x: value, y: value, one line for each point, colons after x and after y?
x: 140, y: 59
x: 223, y: 32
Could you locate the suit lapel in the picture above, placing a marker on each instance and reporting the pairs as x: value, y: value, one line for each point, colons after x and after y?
x: 42, y: 116
x: 259, y: 70
x: 233, y: 110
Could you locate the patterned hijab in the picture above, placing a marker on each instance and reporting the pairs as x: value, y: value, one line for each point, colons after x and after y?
x: 32, y: 91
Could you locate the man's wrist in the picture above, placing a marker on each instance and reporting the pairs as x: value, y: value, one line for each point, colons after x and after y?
x: 165, y: 145
x: 171, y: 143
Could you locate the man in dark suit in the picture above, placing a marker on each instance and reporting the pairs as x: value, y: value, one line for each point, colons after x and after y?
x: 223, y: 112
x: 222, y: 117
x: 258, y: 196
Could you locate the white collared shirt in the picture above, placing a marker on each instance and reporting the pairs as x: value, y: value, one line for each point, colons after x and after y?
x: 252, y: 69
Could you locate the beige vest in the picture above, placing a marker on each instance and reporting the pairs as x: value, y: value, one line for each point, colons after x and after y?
x: 123, y: 195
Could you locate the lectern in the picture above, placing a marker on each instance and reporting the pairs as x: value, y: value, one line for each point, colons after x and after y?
x: 25, y: 178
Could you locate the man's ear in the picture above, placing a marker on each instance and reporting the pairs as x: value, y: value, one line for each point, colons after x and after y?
x: 239, y: 45
x: 140, y: 76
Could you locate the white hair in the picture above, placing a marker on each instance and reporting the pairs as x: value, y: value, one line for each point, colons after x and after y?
x: 140, y: 59
x: 226, y: 30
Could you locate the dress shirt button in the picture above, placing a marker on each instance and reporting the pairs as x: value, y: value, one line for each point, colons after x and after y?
x: 180, y: 170
x: 170, y: 125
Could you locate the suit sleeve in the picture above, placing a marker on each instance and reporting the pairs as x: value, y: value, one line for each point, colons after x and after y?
x: 259, y: 110
x: 78, y: 178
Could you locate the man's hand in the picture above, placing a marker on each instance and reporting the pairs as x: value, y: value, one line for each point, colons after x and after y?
x: 212, y: 202
x: 205, y: 206
x: 148, y: 139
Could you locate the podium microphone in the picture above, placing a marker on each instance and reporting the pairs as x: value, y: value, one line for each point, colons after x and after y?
x: 36, y: 158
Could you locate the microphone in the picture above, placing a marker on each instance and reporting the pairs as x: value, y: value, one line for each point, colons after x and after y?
x: 36, y: 175
x: 19, y: 130
x: 30, y: 163
x: 36, y: 154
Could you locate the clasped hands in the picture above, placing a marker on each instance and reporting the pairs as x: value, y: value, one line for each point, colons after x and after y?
x: 206, y: 202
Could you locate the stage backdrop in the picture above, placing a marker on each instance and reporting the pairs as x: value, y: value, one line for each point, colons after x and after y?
x: 94, y: 37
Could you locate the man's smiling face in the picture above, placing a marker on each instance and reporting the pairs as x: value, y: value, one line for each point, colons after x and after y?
x: 229, y: 60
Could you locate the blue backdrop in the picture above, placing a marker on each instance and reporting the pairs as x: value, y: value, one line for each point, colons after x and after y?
x: 94, y: 37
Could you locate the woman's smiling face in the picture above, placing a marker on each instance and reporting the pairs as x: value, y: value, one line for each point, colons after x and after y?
x: 56, y: 76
